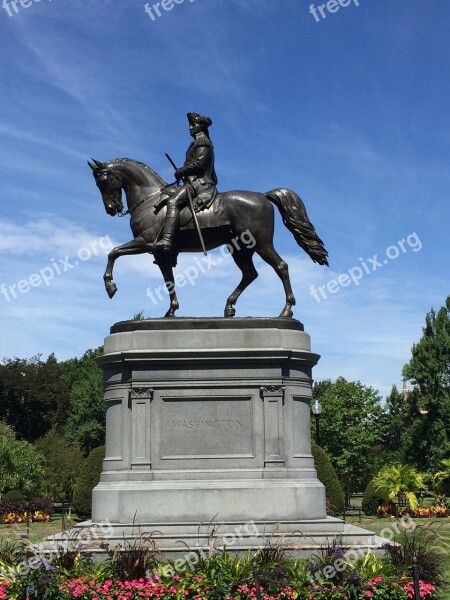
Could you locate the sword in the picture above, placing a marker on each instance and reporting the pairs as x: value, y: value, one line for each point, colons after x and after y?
x: 191, y: 206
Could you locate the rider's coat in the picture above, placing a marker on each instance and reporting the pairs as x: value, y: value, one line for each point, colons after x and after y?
x: 199, y: 169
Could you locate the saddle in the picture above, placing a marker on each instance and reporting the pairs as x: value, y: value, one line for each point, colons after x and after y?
x: 204, y: 205
x: 204, y: 212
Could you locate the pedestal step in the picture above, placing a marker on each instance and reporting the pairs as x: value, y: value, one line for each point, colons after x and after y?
x: 185, y: 540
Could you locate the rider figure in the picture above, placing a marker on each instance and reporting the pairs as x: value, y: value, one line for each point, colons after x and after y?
x: 200, y: 179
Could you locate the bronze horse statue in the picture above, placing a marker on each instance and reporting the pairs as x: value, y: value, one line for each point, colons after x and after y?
x: 231, y: 214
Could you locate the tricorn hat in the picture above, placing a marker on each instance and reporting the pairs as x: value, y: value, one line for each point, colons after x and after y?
x: 196, y: 119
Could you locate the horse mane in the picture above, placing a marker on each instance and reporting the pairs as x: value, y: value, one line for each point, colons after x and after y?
x: 143, y: 166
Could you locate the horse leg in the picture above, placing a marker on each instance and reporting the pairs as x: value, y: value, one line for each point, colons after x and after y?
x: 244, y: 260
x: 271, y: 257
x: 164, y: 262
x: 136, y: 246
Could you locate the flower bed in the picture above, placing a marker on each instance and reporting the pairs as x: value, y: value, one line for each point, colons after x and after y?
x: 89, y: 589
x: 390, y: 509
x: 15, y: 511
x: 36, y: 517
x: 47, y: 583
x: 269, y: 574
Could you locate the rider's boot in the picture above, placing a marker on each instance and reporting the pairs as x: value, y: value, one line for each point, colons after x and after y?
x: 171, y: 226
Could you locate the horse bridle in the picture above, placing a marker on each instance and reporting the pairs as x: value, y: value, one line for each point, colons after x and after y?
x: 104, y: 176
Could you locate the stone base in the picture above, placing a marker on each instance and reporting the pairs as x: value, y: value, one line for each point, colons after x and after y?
x: 208, y: 418
x: 208, y: 422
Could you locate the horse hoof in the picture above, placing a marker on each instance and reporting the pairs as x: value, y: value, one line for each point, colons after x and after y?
x: 111, y: 289
x: 287, y: 312
x: 229, y: 312
x: 169, y: 315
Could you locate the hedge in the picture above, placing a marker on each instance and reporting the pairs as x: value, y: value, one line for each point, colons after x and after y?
x: 87, y: 480
x: 373, y: 499
x: 327, y: 475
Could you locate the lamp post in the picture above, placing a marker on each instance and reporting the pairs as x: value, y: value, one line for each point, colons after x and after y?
x: 317, y: 411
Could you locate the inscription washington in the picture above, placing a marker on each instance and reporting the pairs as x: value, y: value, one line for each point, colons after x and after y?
x: 204, y: 424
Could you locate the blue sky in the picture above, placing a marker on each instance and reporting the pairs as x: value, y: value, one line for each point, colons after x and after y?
x: 351, y: 112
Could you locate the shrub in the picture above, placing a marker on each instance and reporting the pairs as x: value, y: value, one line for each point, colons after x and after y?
x: 135, y: 559
x: 86, y: 482
x: 421, y: 544
x: 42, y: 505
x: 15, y: 511
x: 63, y: 462
x: 373, y: 499
x: 11, y: 507
x: 12, y: 552
x: 327, y: 475
x: 14, y: 496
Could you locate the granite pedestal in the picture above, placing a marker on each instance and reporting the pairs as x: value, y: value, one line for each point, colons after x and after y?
x: 208, y: 438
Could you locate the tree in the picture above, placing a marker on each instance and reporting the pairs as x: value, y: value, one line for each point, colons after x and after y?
x: 396, y: 413
x: 427, y: 439
x: 33, y: 397
x: 63, y: 461
x: 400, y: 481
x: 21, y: 465
x: 352, y: 424
x: 86, y: 422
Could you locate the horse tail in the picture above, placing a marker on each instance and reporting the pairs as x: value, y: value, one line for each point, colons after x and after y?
x: 295, y: 218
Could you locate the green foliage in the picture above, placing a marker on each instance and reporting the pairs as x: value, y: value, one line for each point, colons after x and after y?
x: 352, y: 425
x: 33, y: 396
x: 70, y: 554
x: 21, y: 465
x: 86, y: 422
x: 400, y: 481
x: 396, y: 409
x: 17, y: 507
x: 36, y: 579
x: 427, y: 436
x: 87, y: 480
x: 224, y: 571
x: 63, y: 461
x: 441, y: 479
x: 372, y: 498
x: 13, y: 496
x: 419, y: 543
x: 327, y: 475
x: 12, y: 552
x: 217, y: 576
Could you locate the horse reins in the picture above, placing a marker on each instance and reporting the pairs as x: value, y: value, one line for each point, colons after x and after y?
x: 141, y: 202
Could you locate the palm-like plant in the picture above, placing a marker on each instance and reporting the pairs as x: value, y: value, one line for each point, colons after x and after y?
x: 400, y: 481
x: 441, y: 476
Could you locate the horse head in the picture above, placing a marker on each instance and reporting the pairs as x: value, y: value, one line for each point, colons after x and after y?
x: 110, y: 185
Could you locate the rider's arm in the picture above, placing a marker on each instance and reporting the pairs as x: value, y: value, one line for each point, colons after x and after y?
x: 198, y: 165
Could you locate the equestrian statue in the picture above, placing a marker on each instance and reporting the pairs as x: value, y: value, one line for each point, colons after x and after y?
x: 167, y: 219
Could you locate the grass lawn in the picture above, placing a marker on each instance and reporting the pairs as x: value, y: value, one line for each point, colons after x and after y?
x: 38, y: 531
